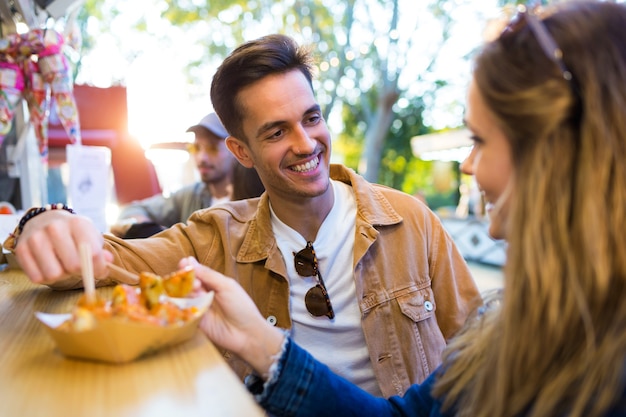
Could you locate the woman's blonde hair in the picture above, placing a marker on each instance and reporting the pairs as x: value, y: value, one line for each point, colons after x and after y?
x: 557, y: 344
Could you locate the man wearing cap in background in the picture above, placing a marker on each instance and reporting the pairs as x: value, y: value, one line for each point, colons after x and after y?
x: 215, y: 165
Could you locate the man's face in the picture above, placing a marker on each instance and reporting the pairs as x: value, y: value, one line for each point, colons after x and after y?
x: 213, y: 159
x: 287, y: 139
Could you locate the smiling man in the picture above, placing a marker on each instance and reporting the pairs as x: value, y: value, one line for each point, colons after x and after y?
x: 363, y: 276
x: 385, y: 259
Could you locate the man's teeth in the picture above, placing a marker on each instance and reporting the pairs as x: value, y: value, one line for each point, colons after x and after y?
x: 307, y: 167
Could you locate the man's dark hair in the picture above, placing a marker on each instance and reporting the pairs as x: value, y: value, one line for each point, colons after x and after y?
x: 249, y: 63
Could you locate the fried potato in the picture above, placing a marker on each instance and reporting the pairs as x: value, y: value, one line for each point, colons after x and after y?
x: 179, y: 283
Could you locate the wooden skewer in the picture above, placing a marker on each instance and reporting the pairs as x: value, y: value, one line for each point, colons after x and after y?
x: 123, y: 275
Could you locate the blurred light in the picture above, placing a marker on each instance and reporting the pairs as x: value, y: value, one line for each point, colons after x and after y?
x: 21, y: 27
x: 452, y: 145
x: 167, y: 156
x: 455, y: 154
x: 112, y: 212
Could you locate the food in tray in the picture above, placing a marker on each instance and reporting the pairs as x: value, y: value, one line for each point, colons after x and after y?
x: 177, y: 284
x: 148, y: 303
x: 133, y: 321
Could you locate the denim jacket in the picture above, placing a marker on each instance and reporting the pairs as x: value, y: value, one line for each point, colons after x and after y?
x: 413, y: 287
x: 304, y: 387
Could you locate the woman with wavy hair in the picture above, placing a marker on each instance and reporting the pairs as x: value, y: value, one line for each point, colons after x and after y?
x: 547, y: 109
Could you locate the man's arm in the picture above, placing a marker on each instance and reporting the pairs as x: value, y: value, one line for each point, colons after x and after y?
x: 149, y: 209
x: 160, y: 210
x: 156, y: 209
x: 455, y: 290
x: 47, y: 248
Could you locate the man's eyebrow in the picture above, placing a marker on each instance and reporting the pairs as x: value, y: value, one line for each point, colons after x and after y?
x: 314, y: 108
x: 270, y: 125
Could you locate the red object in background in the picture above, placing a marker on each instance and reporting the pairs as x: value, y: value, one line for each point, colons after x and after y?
x: 103, y: 116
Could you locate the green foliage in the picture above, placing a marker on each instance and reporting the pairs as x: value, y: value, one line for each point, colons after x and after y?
x: 349, y: 141
x: 398, y: 155
x: 89, y: 8
x: 360, y: 60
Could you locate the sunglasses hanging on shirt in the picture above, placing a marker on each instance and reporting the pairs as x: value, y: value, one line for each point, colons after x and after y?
x: 316, y: 300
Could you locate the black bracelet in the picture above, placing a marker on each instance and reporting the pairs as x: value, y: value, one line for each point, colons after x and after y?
x: 35, y: 211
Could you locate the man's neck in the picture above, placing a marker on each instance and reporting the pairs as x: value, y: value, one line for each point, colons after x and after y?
x: 304, y: 215
x: 221, y: 189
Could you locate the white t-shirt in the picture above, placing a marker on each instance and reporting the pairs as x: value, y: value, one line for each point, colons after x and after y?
x: 338, y: 343
x: 215, y: 201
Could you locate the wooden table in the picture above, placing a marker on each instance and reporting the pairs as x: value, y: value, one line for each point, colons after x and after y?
x: 189, y: 379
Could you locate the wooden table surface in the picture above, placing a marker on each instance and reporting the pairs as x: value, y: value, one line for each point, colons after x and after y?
x: 189, y: 379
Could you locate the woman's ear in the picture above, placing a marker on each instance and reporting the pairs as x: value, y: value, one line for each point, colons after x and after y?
x: 241, y: 151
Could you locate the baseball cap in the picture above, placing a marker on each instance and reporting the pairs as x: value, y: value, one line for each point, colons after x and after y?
x: 212, y: 123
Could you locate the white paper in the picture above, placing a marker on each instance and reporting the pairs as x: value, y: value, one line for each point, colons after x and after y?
x: 89, y: 168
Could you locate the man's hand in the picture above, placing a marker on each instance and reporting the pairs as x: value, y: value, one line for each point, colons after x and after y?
x: 48, y: 247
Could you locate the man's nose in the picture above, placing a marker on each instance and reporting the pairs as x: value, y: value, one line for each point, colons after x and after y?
x: 303, y: 143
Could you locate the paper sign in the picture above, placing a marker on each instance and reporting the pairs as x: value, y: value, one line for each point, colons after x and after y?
x: 89, y: 176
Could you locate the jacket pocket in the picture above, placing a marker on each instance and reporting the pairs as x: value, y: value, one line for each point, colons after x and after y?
x: 418, y: 305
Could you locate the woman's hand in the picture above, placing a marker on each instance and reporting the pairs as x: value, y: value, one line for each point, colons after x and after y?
x: 233, y: 320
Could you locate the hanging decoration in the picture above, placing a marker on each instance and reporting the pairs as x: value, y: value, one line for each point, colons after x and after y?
x: 33, y: 67
x: 11, y: 87
x: 37, y: 96
x: 55, y: 70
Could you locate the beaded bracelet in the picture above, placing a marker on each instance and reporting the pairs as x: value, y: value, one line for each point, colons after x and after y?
x: 35, y: 211
x: 10, y: 243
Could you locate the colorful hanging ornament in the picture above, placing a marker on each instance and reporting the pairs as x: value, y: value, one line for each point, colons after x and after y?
x: 55, y: 70
x: 10, y: 45
x: 18, y: 47
x: 31, y: 43
x: 11, y: 87
x: 37, y: 95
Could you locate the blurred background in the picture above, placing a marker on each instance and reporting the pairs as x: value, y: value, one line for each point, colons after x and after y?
x: 391, y: 79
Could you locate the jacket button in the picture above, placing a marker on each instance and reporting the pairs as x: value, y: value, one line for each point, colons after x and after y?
x: 271, y: 320
x: 428, y: 306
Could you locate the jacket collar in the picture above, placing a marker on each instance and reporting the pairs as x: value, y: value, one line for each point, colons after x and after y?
x: 373, y: 208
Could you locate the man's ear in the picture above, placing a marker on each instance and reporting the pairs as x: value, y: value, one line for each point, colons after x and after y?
x: 241, y: 151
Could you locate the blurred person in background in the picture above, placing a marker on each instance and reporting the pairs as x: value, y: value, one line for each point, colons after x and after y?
x: 217, y: 168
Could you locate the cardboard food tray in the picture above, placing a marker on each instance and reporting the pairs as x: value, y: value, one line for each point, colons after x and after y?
x: 117, y: 340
